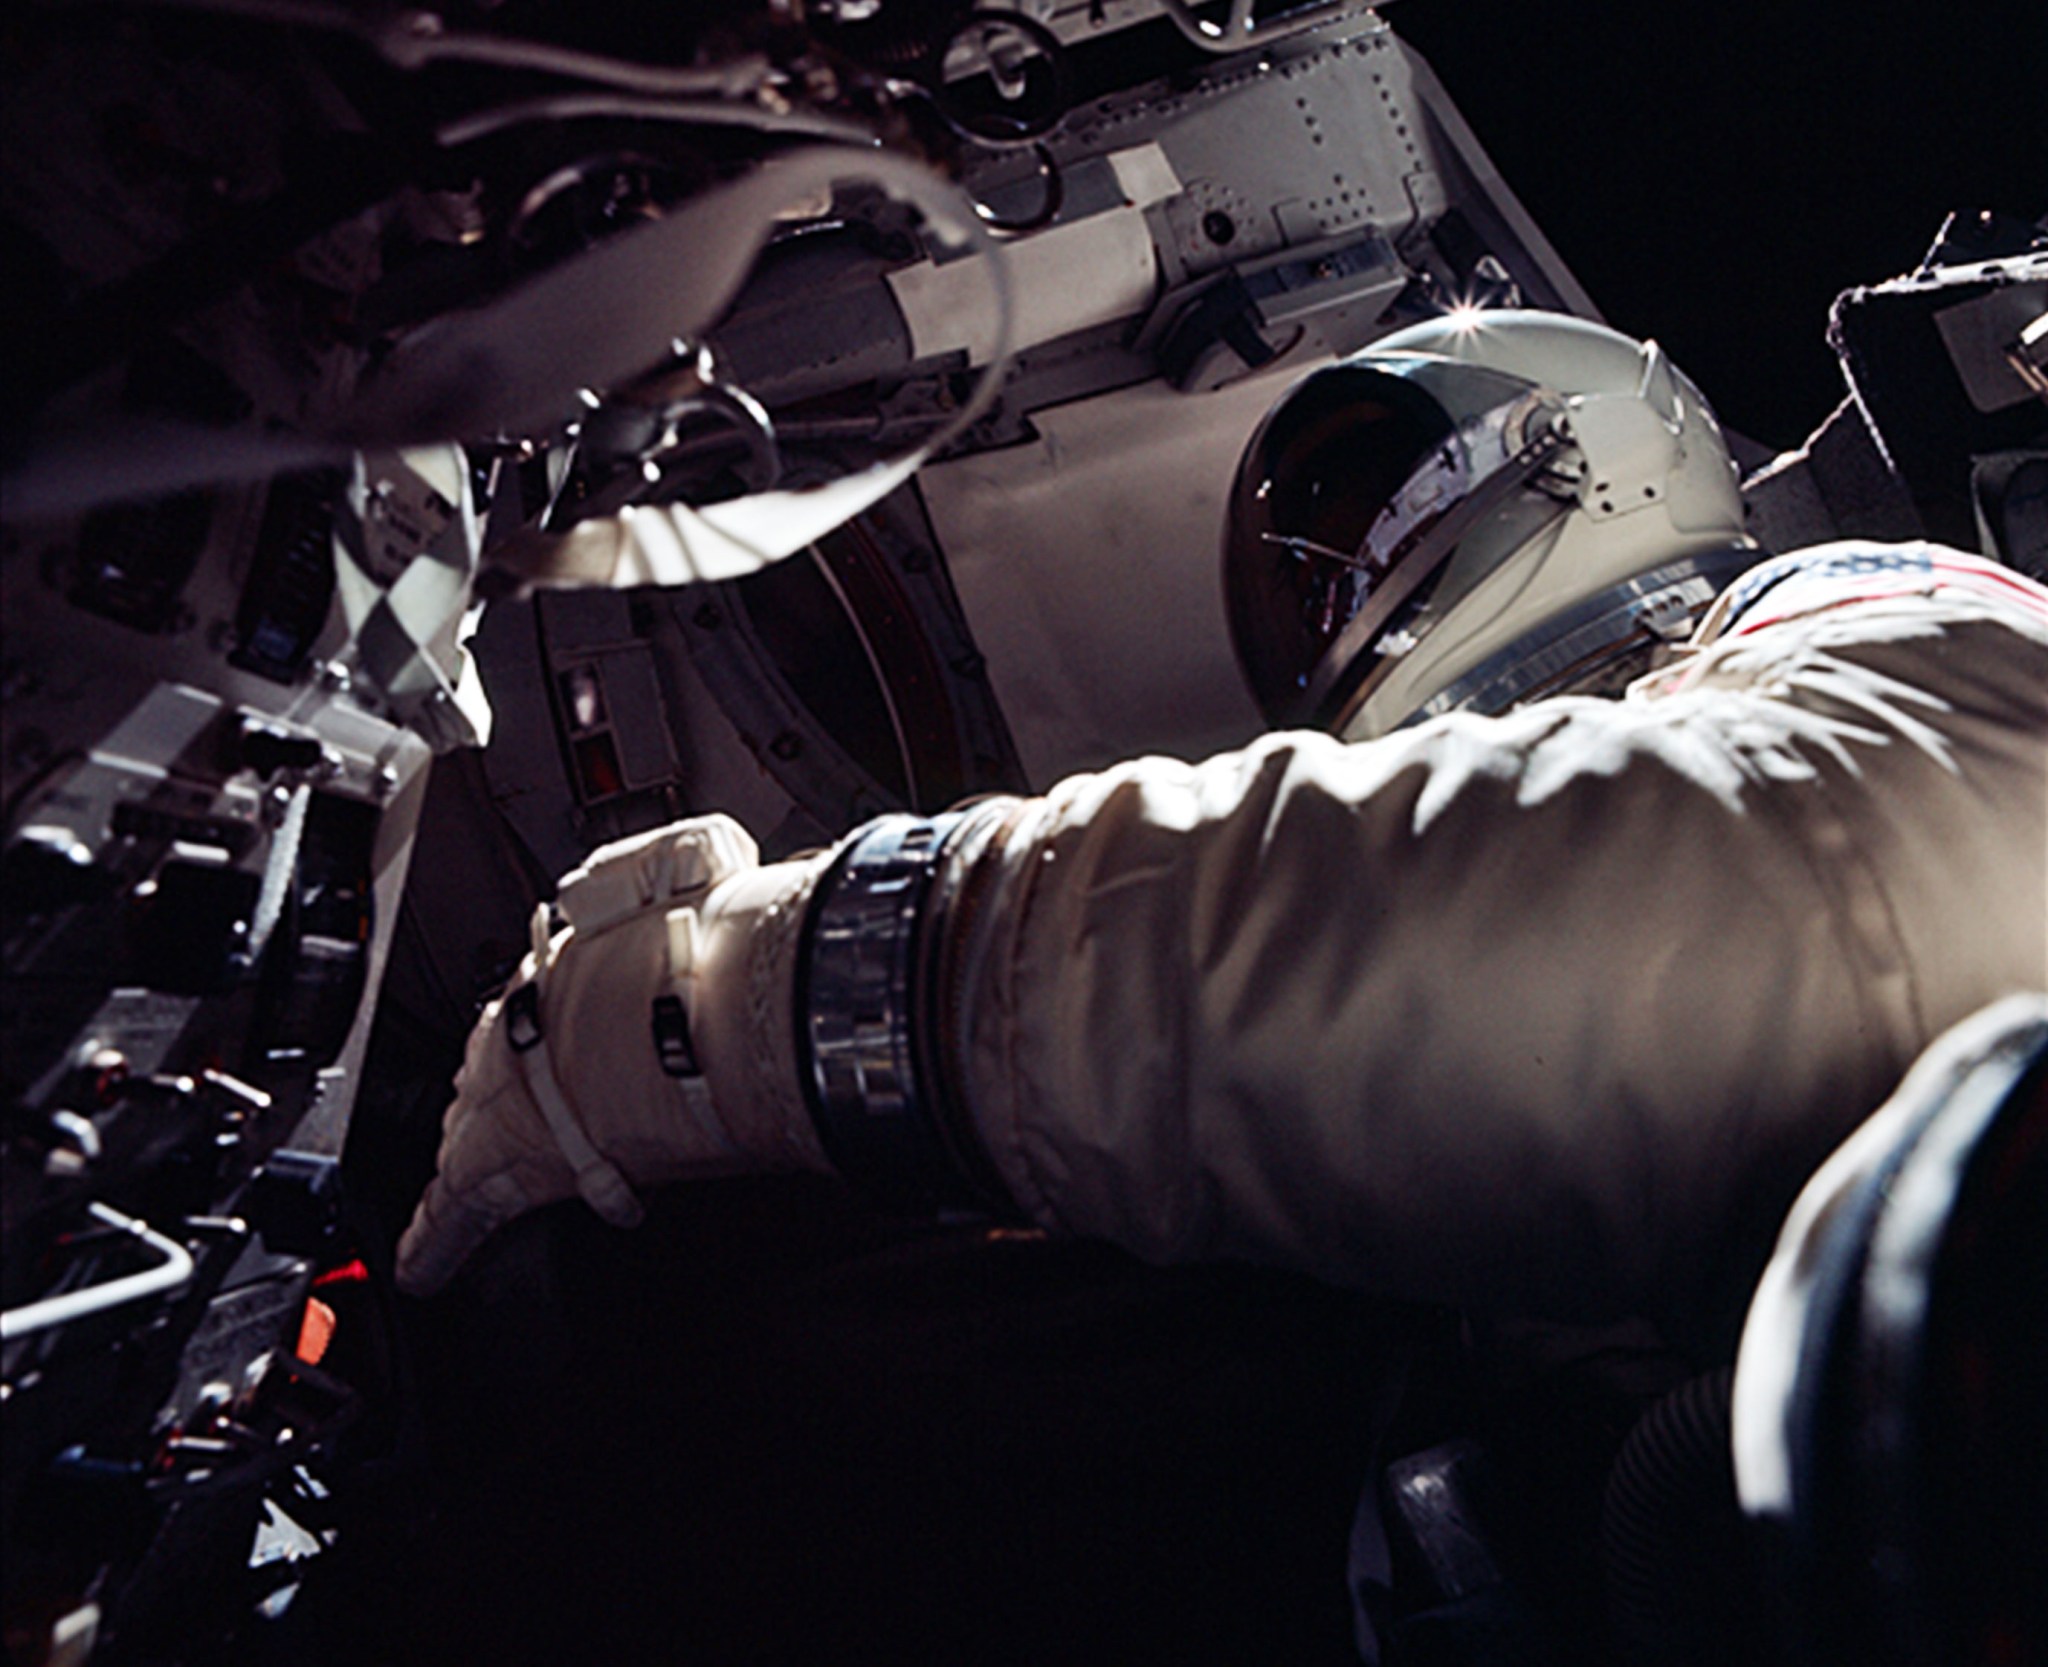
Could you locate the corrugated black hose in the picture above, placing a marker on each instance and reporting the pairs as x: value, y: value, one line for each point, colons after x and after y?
x: 1681, y: 1586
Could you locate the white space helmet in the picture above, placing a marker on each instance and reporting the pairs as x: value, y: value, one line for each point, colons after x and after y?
x: 1473, y: 512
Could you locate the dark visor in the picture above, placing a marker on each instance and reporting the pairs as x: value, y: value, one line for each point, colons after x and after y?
x: 1317, y: 473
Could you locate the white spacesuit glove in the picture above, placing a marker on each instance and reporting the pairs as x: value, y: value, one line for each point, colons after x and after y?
x: 646, y: 1040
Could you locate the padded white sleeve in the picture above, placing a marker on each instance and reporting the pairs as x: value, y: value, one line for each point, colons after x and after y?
x: 1552, y: 1012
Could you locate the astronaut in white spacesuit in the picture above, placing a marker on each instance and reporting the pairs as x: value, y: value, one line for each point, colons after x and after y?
x: 1540, y: 1005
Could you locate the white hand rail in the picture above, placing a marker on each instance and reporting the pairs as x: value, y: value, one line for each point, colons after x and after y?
x: 170, y: 1273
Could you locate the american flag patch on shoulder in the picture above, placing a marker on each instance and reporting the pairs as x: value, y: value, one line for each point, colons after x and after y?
x: 1837, y: 575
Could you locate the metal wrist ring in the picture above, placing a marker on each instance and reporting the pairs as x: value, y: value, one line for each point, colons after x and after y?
x: 859, y: 986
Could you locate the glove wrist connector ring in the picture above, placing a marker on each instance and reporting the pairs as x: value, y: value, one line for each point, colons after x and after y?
x: 862, y: 978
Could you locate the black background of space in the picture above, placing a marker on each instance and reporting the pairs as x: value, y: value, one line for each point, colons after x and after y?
x: 1716, y: 171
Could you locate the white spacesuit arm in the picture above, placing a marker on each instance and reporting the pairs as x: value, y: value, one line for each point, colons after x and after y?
x: 1552, y: 1012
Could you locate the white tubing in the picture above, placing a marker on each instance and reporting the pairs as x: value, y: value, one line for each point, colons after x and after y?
x: 174, y: 1270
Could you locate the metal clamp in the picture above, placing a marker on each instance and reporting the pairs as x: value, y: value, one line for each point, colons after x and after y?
x: 858, y: 994
x: 1243, y: 30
